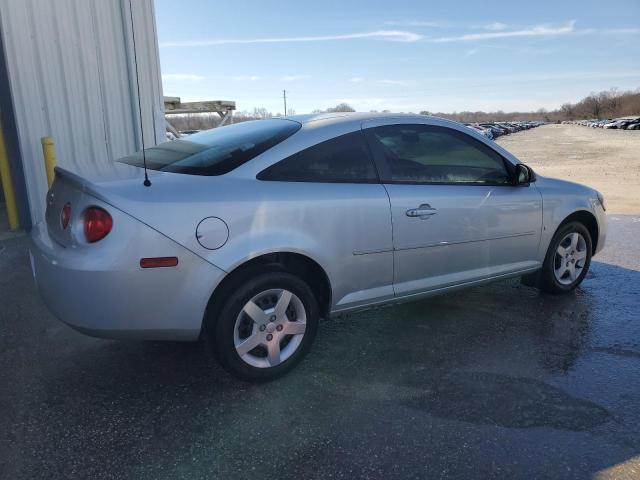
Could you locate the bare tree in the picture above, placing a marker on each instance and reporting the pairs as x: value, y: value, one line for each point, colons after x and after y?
x: 194, y: 121
x: 611, y: 99
x: 261, y: 113
x: 593, y: 105
x: 567, y: 111
x: 341, y: 107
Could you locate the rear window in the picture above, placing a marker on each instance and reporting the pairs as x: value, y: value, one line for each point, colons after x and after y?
x: 343, y: 159
x: 216, y: 151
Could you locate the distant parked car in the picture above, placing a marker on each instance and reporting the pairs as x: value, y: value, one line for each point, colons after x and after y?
x: 632, y: 121
x: 509, y: 128
x: 502, y: 128
x: 615, y: 124
x: 483, y: 131
x: 633, y: 125
x: 494, y: 129
x: 626, y: 123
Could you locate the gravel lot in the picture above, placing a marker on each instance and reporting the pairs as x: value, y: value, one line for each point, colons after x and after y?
x: 608, y: 160
x: 496, y: 381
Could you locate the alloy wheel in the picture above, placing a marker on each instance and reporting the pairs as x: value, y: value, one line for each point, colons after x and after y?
x: 570, y: 258
x: 269, y: 328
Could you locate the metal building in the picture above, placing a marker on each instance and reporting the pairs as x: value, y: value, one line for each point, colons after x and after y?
x: 67, y: 70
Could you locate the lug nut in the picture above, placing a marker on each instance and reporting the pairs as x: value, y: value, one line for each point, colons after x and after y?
x: 273, y: 318
x: 269, y: 337
x: 279, y: 328
x: 262, y: 328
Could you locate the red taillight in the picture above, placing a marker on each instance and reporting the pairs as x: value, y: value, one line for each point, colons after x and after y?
x: 97, y: 224
x: 65, y: 216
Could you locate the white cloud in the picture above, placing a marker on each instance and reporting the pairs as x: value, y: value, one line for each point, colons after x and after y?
x: 532, y: 31
x: 394, y: 83
x: 181, y: 77
x: 543, y: 77
x: 496, y: 26
x: 571, y: 76
x: 470, y: 53
x: 413, y: 23
x: 356, y: 79
x: 293, y: 78
x: 623, y: 31
x: 250, y: 78
x: 387, y: 35
x: 609, y: 31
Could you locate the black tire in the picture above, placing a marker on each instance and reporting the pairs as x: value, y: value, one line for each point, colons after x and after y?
x: 223, y: 333
x: 547, y: 280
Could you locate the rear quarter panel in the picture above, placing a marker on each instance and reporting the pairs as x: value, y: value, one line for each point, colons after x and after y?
x: 345, y: 228
x: 101, y: 289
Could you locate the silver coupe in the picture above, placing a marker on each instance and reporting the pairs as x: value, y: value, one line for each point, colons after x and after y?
x: 249, y: 234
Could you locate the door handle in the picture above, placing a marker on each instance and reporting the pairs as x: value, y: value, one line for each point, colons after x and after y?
x: 423, y: 211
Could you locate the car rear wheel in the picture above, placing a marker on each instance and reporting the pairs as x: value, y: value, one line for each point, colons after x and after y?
x: 266, y: 326
x: 567, y: 260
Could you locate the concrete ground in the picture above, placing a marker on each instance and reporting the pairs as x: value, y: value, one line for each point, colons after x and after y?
x: 496, y: 381
x: 5, y: 233
x: 4, y: 220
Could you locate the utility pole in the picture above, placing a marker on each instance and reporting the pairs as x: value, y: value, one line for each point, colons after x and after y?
x: 284, y: 96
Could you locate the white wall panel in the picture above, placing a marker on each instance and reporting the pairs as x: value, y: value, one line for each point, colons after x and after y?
x: 72, y: 77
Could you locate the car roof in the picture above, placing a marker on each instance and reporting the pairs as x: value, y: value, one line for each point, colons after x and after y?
x: 346, y: 117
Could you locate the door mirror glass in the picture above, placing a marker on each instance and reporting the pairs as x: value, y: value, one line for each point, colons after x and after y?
x: 524, y: 175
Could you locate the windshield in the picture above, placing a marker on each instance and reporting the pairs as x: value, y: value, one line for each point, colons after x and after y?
x: 216, y: 151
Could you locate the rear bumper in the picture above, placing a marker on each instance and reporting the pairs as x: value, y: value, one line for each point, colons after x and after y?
x: 101, y: 290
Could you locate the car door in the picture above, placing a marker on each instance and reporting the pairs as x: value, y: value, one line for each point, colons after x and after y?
x: 456, y: 215
x: 331, y: 192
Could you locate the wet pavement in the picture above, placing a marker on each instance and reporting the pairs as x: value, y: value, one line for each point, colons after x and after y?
x: 496, y: 381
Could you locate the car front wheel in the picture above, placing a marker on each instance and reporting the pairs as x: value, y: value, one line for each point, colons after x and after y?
x: 567, y: 260
x: 266, y: 326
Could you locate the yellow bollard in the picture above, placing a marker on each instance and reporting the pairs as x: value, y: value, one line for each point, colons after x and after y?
x: 49, y: 152
x: 7, y: 185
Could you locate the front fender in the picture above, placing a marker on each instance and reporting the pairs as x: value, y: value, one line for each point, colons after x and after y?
x: 560, y: 200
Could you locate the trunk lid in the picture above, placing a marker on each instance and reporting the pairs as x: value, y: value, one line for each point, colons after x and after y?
x: 61, y: 193
x: 174, y: 204
x: 80, y: 192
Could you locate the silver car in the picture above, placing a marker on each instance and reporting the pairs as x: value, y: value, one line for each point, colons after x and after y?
x: 249, y: 233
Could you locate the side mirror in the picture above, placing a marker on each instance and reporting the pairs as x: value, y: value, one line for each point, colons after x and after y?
x: 523, y: 175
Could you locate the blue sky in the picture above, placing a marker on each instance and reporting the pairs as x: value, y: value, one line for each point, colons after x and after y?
x: 397, y: 55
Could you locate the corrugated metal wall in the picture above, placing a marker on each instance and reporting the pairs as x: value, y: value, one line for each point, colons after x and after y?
x: 72, y: 77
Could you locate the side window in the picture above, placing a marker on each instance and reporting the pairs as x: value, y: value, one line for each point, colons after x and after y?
x: 343, y: 159
x: 429, y: 154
